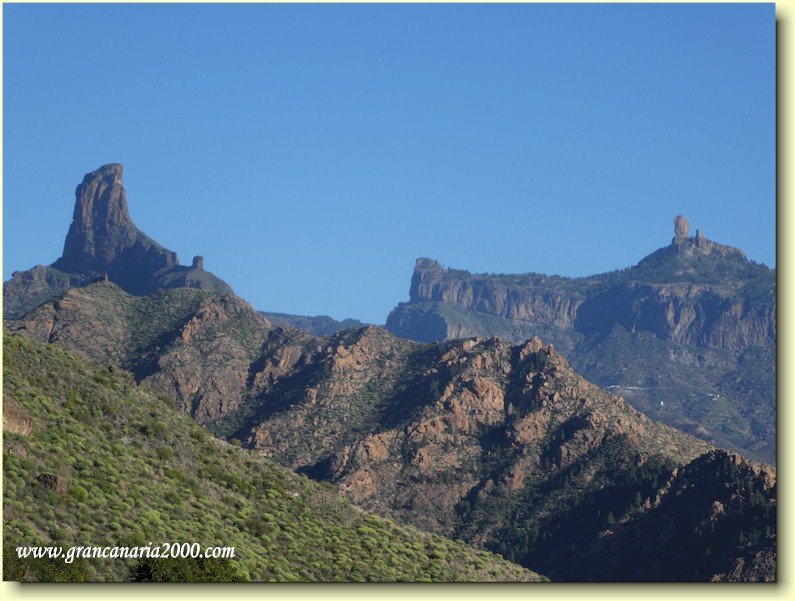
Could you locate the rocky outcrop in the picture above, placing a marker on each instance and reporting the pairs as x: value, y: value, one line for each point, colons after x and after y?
x: 28, y: 289
x: 102, y: 236
x: 316, y: 325
x: 103, y: 240
x: 17, y: 419
x: 687, y: 314
x: 57, y: 484
x: 681, y: 228
x: 493, y: 443
x: 695, y: 292
x: 207, y: 367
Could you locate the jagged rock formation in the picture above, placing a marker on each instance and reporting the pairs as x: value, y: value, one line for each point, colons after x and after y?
x: 680, y: 329
x: 102, y: 240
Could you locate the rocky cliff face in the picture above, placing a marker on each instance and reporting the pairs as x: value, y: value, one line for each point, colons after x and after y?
x: 540, y: 302
x: 683, y: 313
x: 694, y: 292
x: 102, y: 241
x: 673, y: 333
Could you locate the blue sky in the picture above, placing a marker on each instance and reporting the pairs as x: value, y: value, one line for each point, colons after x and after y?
x: 311, y: 152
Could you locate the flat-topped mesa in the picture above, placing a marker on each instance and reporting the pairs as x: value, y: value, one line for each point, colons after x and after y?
x: 102, y: 233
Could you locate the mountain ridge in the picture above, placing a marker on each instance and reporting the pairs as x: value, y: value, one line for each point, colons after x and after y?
x: 503, y: 445
x: 455, y: 437
x: 692, y: 322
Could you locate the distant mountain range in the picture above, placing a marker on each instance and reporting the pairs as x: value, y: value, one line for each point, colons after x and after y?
x: 319, y: 325
x: 688, y: 335
x: 504, y: 446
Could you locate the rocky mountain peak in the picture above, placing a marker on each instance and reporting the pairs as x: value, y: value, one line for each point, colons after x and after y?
x: 103, y: 242
x: 102, y: 230
x: 426, y: 263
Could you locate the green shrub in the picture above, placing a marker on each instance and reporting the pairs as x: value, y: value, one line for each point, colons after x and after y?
x: 78, y: 493
x: 165, y: 453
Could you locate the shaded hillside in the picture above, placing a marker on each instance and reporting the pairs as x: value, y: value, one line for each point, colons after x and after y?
x: 715, y: 518
x: 103, y: 242
x: 92, y: 459
x: 508, y: 448
x: 688, y: 335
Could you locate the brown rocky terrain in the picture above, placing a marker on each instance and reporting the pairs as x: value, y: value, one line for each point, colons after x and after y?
x: 197, y: 347
x: 317, y: 325
x: 501, y: 445
x: 110, y: 463
x: 103, y: 242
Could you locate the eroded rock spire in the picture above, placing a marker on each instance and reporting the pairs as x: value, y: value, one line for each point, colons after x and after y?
x: 681, y: 228
x: 102, y: 233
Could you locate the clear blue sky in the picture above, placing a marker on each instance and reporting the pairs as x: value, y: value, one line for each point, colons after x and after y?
x: 312, y: 153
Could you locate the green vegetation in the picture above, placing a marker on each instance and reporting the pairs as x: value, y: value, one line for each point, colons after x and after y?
x: 670, y: 264
x: 138, y: 472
